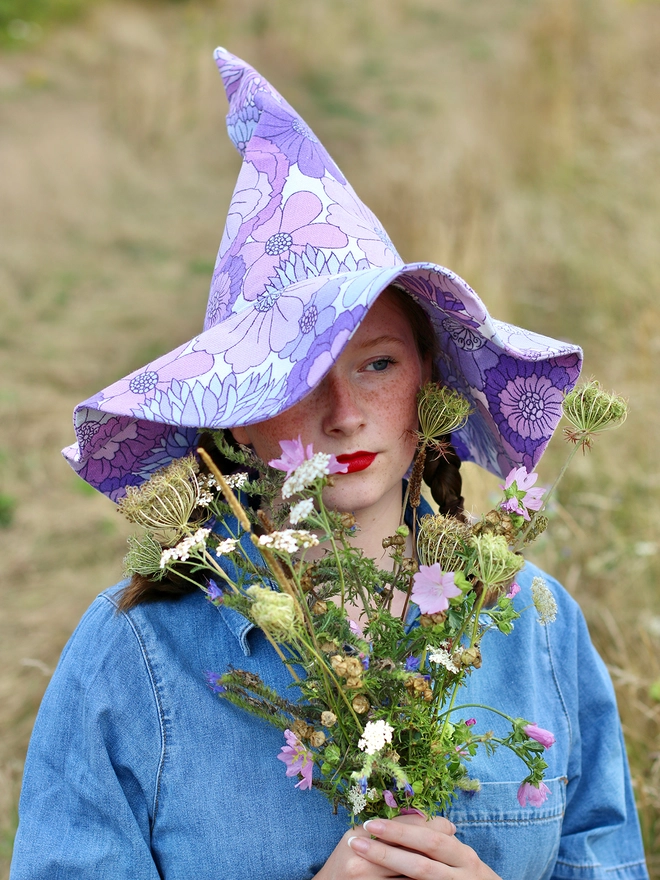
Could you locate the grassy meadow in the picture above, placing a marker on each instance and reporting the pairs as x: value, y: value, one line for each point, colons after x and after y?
x: 516, y: 142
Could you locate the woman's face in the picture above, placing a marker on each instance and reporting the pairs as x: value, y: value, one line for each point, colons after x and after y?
x: 366, y: 404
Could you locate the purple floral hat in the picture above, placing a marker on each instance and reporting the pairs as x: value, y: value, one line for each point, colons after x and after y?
x: 301, y: 261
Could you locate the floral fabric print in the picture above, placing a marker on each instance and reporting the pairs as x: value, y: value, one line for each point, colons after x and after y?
x: 300, y: 263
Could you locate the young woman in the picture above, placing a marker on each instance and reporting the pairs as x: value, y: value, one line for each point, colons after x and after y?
x: 315, y: 328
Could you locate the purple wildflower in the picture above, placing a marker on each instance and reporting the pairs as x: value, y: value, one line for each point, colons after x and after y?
x: 514, y: 589
x: 412, y: 663
x: 535, y: 795
x: 545, y: 737
x: 213, y: 592
x: 470, y: 722
x: 408, y: 790
x: 213, y: 681
x: 362, y: 782
x: 297, y: 759
x: 432, y: 589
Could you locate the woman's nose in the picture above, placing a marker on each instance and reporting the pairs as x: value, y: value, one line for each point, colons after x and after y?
x: 342, y: 411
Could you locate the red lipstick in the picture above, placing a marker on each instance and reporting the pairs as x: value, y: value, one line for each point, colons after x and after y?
x: 357, y: 461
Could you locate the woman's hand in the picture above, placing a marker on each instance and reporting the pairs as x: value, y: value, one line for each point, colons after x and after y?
x: 408, y: 847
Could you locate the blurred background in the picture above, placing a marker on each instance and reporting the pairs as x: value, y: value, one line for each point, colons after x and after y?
x: 515, y: 141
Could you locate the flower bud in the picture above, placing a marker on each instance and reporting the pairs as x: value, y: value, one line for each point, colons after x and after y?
x: 273, y: 611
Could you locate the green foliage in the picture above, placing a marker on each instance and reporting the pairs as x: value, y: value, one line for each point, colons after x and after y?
x: 7, y: 509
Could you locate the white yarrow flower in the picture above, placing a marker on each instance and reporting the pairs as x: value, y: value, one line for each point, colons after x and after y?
x: 236, y: 481
x: 184, y: 548
x: 301, y: 510
x: 375, y: 736
x: 289, y: 540
x: 306, y: 473
x: 357, y: 799
x: 226, y: 546
x: 443, y: 658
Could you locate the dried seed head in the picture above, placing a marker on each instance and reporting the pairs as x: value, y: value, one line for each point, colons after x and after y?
x: 328, y: 719
x: 361, y: 704
x: 316, y: 739
x: 591, y: 410
x: 495, y: 564
x: 441, y: 411
x: 441, y: 539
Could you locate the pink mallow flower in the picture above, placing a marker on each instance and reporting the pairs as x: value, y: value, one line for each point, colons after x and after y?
x: 532, y: 794
x: 432, y: 589
x: 293, y: 455
x: 522, y: 495
x: 297, y: 759
x: 546, y: 738
x: 389, y: 798
x: 514, y: 589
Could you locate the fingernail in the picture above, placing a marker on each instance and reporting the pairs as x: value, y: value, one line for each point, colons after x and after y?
x: 359, y: 844
x: 373, y: 826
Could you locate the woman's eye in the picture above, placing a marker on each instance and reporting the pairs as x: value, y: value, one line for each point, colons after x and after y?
x: 380, y: 364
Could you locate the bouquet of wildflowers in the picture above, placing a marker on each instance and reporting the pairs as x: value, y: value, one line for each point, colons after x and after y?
x: 375, y: 706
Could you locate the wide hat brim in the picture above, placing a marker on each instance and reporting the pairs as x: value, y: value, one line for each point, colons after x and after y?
x: 267, y: 357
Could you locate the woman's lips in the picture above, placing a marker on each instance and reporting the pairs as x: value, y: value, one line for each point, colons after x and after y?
x: 357, y: 461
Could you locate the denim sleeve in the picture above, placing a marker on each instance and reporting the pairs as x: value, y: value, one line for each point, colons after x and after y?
x: 600, y: 832
x: 85, y: 811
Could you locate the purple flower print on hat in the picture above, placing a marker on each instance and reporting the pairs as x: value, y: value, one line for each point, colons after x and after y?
x: 300, y: 263
x: 281, y: 125
x: 289, y: 229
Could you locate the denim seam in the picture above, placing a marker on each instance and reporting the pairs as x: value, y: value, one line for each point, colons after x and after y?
x: 161, y: 714
x: 599, y: 865
x: 557, y: 685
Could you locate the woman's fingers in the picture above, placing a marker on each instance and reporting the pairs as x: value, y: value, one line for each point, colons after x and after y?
x: 419, y: 850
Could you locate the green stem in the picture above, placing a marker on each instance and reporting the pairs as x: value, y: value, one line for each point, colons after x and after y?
x: 453, y: 708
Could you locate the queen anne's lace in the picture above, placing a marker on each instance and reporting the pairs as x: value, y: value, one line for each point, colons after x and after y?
x: 375, y: 736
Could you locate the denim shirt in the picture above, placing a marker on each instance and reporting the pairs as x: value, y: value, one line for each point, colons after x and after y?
x: 137, y: 770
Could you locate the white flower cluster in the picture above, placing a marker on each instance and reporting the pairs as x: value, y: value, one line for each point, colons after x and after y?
x: 184, y: 548
x: 544, y: 601
x: 443, y: 658
x: 288, y: 540
x: 301, y: 510
x: 374, y: 736
x: 306, y: 473
x: 236, y: 481
x: 358, y: 800
x: 226, y: 546
x: 207, y: 488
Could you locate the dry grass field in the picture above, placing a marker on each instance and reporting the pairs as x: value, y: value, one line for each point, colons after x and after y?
x: 515, y: 141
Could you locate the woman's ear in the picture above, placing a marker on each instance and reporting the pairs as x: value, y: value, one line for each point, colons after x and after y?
x: 240, y: 435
